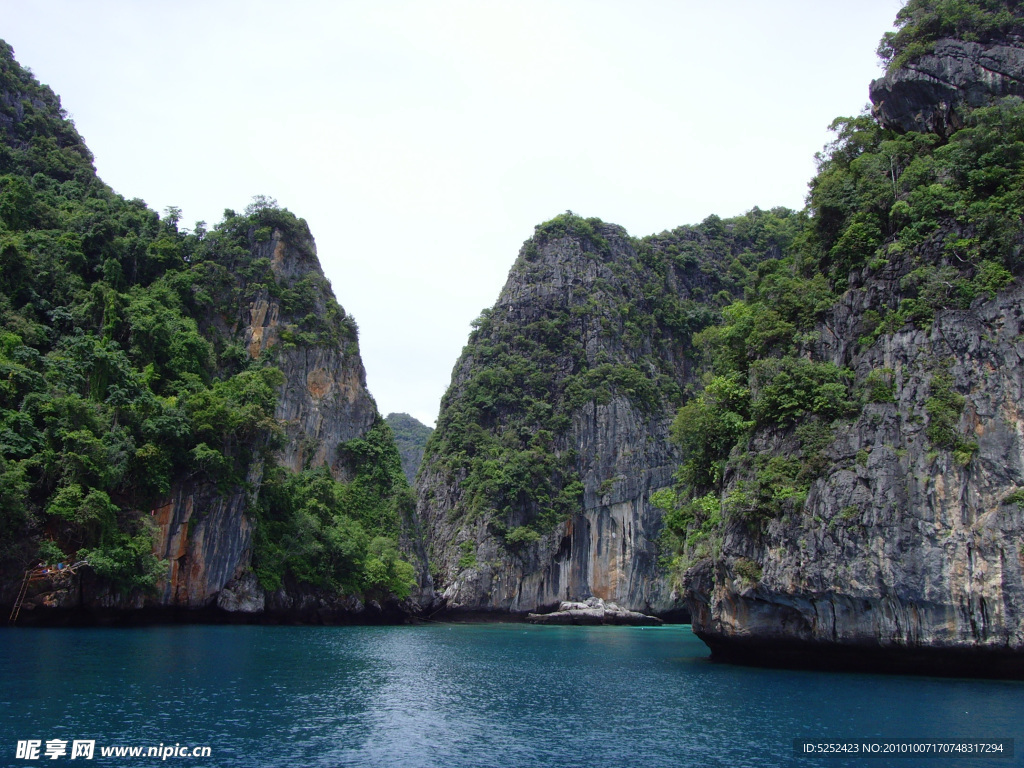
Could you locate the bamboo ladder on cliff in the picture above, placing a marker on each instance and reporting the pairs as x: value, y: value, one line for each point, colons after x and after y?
x: 21, y: 598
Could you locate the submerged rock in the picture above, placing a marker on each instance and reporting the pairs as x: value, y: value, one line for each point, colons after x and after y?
x: 593, y: 611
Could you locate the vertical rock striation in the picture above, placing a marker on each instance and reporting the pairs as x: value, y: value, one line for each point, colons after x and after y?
x: 205, y: 533
x: 903, y: 557
x: 324, y: 400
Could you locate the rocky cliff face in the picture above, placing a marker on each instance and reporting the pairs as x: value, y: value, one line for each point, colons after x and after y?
x: 203, y: 531
x: 606, y: 548
x: 324, y: 400
x: 170, y: 401
x: 553, y: 436
x: 906, y: 553
x: 934, y: 92
x: 204, y: 534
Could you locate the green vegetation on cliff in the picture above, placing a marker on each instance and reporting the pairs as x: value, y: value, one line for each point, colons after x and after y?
x: 939, y: 223
x: 337, y: 535
x: 618, y: 327
x: 411, y: 439
x: 121, y: 374
x: 920, y: 23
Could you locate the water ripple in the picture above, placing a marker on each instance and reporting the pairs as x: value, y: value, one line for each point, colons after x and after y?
x: 463, y: 695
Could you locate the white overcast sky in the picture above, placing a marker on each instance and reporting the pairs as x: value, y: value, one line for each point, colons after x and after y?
x: 423, y: 140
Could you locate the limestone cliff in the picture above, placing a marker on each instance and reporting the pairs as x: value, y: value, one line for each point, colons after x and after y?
x: 183, y: 413
x: 202, y: 530
x: 536, y: 486
x: 905, y: 555
x: 204, y: 534
x: 324, y: 400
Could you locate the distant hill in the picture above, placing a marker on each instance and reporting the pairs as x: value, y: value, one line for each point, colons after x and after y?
x: 411, y: 438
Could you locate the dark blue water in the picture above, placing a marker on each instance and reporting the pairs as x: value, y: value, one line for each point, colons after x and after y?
x: 462, y: 695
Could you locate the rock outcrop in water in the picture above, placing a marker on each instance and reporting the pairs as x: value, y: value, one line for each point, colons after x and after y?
x: 593, y: 611
x: 904, y: 556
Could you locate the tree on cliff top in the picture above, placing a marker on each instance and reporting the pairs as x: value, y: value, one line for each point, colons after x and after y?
x: 920, y: 23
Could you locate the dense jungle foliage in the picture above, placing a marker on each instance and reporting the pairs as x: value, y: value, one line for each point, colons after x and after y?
x: 939, y: 221
x: 341, y: 536
x: 121, y: 374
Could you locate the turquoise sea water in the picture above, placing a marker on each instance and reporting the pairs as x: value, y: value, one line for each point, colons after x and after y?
x: 442, y: 695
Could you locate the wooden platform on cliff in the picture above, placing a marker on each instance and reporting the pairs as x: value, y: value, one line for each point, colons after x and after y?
x: 54, y: 574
